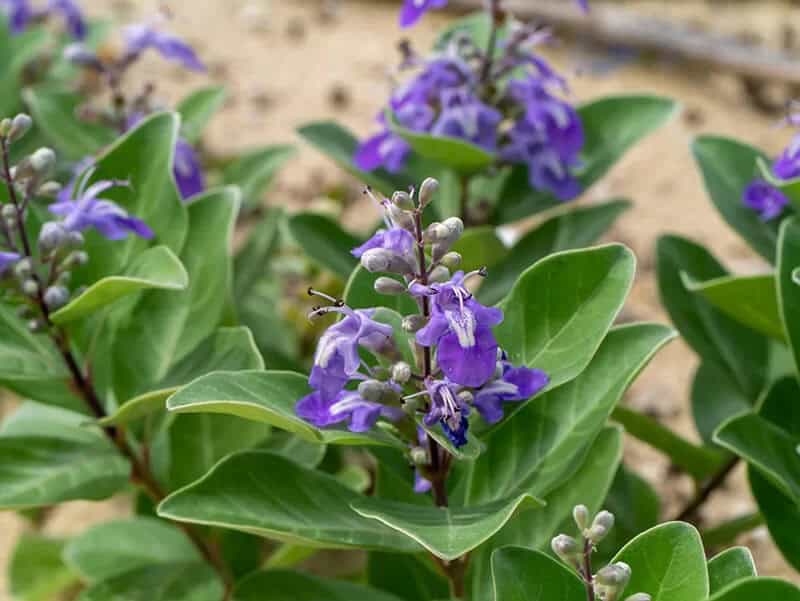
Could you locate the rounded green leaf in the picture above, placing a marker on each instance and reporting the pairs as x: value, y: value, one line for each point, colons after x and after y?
x: 325, y: 242
x: 197, y: 109
x: 560, y: 309
x: 255, y: 170
x: 191, y: 581
x: 36, y: 571
x: 730, y: 567
x: 788, y: 290
x: 528, y: 575
x: 279, y: 585
x: 668, y: 563
x: 781, y: 514
x: 759, y: 588
x: 715, y: 398
x: 268, y: 495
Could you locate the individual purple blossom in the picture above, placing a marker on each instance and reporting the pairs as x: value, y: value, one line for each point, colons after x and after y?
x: 7, y: 259
x: 448, y: 409
x: 388, y: 150
x: 85, y: 209
x: 787, y: 166
x: 345, y: 406
x: 336, y: 360
x: 413, y: 10
x: 766, y: 199
x: 188, y: 171
x: 464, y: 116
x: 21, y: 13
x: 140, y: 37
x: 514, y: 384
x: 460, y: 328
x: 395, y: 239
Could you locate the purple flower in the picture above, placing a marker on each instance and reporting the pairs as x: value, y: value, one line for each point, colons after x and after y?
x: 7, y: 259
x: 337, y: 360
x: 345, y: 406
x: 584, y: 4
x: 139, y: 38
x: 787, y: 166
x: 395, y: 239
x: 464, y: 116
x: 514, y: 384
x: 414, y: 9
x: 461, y: 327
x: 20, y: 15
x: 765, y: 198
x: 86, y: 211
x: 72, y: 15
x: 447, y: 409
x: 188, y: 171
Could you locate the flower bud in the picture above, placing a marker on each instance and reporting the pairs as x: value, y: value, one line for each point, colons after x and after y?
x: 9, y: 212
x: 566, y: 548
x: 418, y: 455
x: 75, y: 240
x: 403, y: 201
x: 56, y: 297
x: 435, y: 232
x: 20, y: 126
x: 582, y: 516
x: 49, y: 189
x: 30, y: 287
x: 412, y: 323
x: 23, y: 269
x: 614, y: 576
x: 400, y: 217
x: 390, y: 286
x: 455, y: 227
x: 43, y: 160
x: 426, y: 191
x: 5, y: 127
x: 601, y: 526
x: 51, y: 237
x: 439, y: 274
x: 451, y: 260
x: 372, y: 390
x: 76, y: 259
x: 401, y: 372
x: 640, y: 597
x: 381, y: 259
x: 35, y: 325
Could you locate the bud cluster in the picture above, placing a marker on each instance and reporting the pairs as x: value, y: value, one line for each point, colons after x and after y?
x: 610, y: 582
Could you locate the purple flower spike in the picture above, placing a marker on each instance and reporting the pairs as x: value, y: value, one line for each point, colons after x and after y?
x: 414, y: 9
x: 86, y: 211
x: 515, y: 384
x: 345, y: 406
x: 7, y: 259
x: 448, y: 409
x: 337, y: 360
x: 461, y: 327
x: 188, y: 172
x: 139, y: 38
x: 765, y: 198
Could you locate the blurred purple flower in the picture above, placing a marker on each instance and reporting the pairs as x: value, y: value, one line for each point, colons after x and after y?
x: 461, y: 328
x: 86, y: 210
x: 188, y: 171
x: 361, y: 415
x: 139, y: 38
x: 447, y: 409
x: 464, y: 116
x: 787, y: 166
x: 514, y: 384
x: 7, y: 259
x: 766, y: 199
x: 21, y: 13
x: 414, y: 9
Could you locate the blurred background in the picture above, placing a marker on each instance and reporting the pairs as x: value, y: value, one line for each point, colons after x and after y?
x: 287, y: 62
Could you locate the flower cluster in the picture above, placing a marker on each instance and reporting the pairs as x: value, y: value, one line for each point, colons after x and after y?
x: 38, y: 275
x: 125, y: 113
x: 765, y: 198
x: 460, y: 365
x: 22, y: 13
x: 506, y: 100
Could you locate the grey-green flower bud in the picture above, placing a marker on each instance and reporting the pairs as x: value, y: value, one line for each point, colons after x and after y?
x: 43, y: 160
x: 582, y: 516
x: 403, y: 201
x: 455, y: 227
x: 56, y: 297
x: 5, y: 127
x: 614, y: 576
x: 20, y: 126
x: 390, y: 286
x: 418, y: 456
x: 9, y: 212
x: 372, y: 390
x: 565, y: 547
x: 401, y: 372
x: 435, y: 232
x: 451, y: 260
x: 640, y: 597
x: 381, y: 259
x: 76, y: 259
x: 75, y: 240
x: 601, y: 526
x: 49, y: 189
x: 51, y: 237
x: 439, y: 275
x: 402, y: 218
x: 412, y: 323
x: 23, y: 269
x: 30, y: 287
x: 427, y: 191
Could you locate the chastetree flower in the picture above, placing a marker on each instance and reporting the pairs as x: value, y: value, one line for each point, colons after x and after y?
x: 7, y: 260
x: 510, y: 384
x: 449, y: 409
x: 21, y: 13
x: 345, y: 406
x: 413, y: 10
x: 143, y: 36
x: 188, y: 171
x: 764, y: 198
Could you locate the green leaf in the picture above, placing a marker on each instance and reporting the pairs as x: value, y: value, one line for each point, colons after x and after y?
x: 728, y: 167
x: 788, y: 290
x: 781, y: 514
x: 737, y: 351
x: 589, y: 485
x: 715, y: 398
x: 49, y: 455
x: 252, y: 261
x: 36, y: 571
x: 730, y: 567
x: 56, y: 115
x: 197, y: 109
x: 255, y: 170
x: 292, y: 586
x: 562, y: 421
x: 325, y: 242
x: 564, y: 305
x: 453, y: 153
x: 576, y: 228
x: 480, y: 247
x: 264, y: 396
x: 156, y: 268
x: 293, y: 447
x: 409, y: 577
x: 359, y: 293
x: 268, y: 495
x: 527, y: 575
x: 113, y: 548
x: 750, y: 300
x: 611, y: 126
x: 758, y: 588
x: 668, y: 563
x: 447, y: 532
x: 190, y: 581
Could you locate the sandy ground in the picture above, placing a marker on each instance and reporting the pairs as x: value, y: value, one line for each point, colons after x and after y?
x: 286, y: 63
